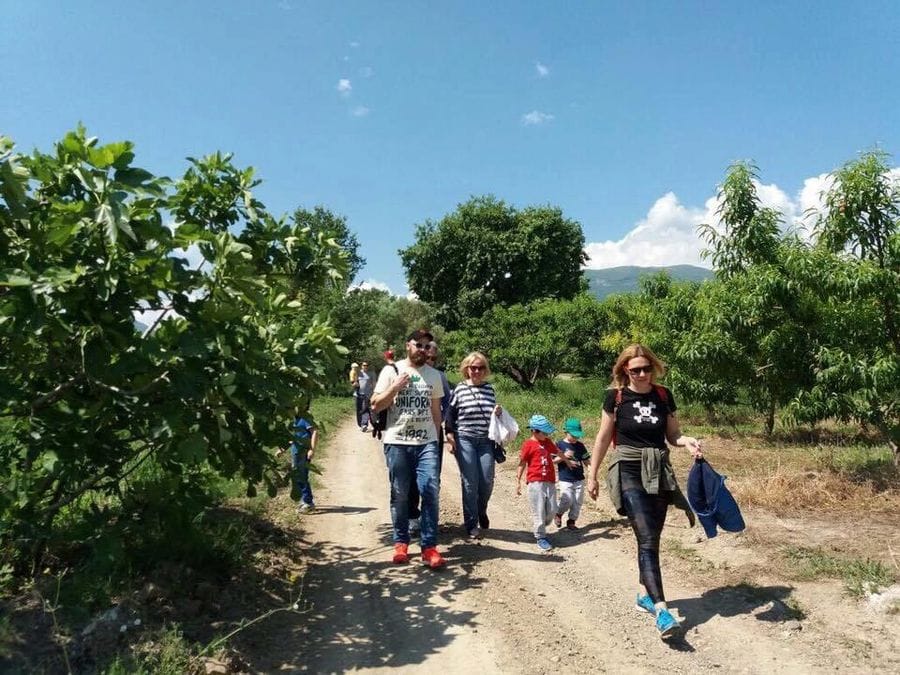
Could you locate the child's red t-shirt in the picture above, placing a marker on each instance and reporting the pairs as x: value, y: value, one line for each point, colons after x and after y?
x: 538, y: 456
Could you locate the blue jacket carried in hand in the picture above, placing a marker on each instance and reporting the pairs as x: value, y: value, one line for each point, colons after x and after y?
x: 711, y: 500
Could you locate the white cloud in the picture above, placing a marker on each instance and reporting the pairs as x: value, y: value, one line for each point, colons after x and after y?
x: 541, y: 69
x: 366, y: 71
x: 667, y: 235
x: 360, y: 111
x: 374, y: 284
x: 535, y: 118
x: 344, y: 87
x: 354, y: 45
x: 371, y: 284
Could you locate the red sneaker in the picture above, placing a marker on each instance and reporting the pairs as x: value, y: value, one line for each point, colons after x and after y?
x: 401, y: 553
x: 432, y: 558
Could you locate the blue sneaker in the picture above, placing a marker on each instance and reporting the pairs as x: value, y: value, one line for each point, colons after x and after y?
x: 666, y: 624
x: 544, y: 545
x: 643, y: 603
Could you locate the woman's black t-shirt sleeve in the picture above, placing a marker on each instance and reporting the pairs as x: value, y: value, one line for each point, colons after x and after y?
x: 641, y: 419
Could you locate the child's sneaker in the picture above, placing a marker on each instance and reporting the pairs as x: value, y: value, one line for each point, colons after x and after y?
x: 557, y: 519
x: 432, y: 558
x: 666, y: 624
x: 570, y: 524
x: 544, y: 545
x: 401, y: 553
x: 306, y: 508
x: 475, y: 533
x: 644, y: 603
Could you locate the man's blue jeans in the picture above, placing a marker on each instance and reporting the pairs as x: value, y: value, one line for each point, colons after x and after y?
x: 475, y: 457
x: 408, y: 464
x: 300, y: 474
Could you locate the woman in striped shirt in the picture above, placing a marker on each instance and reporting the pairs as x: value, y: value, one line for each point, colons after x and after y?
x: 468, y: 415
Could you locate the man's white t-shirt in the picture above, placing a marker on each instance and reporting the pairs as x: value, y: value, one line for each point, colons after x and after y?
x: 409, y: 420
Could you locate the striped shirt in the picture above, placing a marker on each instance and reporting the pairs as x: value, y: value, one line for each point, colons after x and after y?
x: 470, y: 409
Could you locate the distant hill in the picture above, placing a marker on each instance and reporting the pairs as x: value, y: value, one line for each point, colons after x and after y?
x: 625, y: 279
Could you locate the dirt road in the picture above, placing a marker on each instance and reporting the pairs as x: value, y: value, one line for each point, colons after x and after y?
x: 503, y: 606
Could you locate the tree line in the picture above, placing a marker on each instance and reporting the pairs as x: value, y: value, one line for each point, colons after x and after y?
x: 99, y: 416
x: 800, y: 325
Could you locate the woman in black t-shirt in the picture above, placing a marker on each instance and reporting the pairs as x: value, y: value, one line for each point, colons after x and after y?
x: 638, y: 418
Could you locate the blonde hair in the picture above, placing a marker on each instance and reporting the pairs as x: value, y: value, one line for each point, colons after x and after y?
x: 620, y: 370
x: 466, y: 362
x: 354, y: 372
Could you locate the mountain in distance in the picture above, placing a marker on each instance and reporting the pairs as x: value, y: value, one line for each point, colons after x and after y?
x: 625, y: 279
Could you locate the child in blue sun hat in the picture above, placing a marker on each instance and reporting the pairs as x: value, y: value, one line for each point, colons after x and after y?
x: 536, y: 459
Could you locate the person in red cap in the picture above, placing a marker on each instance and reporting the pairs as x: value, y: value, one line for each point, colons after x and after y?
x: 412, y: 397
x: 389, y: 356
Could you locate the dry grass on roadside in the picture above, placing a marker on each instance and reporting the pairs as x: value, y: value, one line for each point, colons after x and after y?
x: 789, y: 489
x: 790, y: 478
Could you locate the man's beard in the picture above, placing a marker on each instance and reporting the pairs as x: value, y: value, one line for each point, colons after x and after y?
x: 417, y: 358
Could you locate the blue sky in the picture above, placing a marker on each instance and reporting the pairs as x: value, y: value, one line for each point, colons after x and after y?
x: 625, y: 115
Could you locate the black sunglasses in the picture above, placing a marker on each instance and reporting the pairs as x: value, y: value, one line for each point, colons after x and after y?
x: 641, y: 369
x: 477, y: 368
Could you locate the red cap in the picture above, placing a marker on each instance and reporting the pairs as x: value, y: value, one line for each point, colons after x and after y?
x: 389, y: 354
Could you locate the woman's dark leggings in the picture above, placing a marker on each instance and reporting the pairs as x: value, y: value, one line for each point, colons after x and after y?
x: 647, y: 515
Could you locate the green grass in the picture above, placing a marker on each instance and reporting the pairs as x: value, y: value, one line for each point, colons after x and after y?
x: 860, y: 463
x: 677, y: 549
x: 9, y: 638
x: 169, y: 654
x: 557, y: 400
x: 328, y: 413
x: 107, y: 557
x: 859, y: 576
x: 583, y: 398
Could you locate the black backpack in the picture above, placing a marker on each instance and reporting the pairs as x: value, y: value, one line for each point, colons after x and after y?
x: 379, y: 420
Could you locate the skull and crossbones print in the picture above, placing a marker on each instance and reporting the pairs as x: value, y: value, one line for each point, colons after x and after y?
x: 645, y: 412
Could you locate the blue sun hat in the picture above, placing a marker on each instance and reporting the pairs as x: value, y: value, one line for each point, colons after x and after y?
x: 541, y: 423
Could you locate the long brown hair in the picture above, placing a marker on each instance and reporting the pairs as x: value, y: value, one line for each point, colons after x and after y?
x: 620, y: 370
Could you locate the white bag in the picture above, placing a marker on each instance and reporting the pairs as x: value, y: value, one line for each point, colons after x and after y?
x: 502, y: 428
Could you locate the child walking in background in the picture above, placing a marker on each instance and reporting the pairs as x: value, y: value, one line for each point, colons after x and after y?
x: 573, y: 456
x: 303, y: 447
x: 538, y: 455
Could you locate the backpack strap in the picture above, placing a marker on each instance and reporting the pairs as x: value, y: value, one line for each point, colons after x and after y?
x: 615, y: 412
x: 379, y: 423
